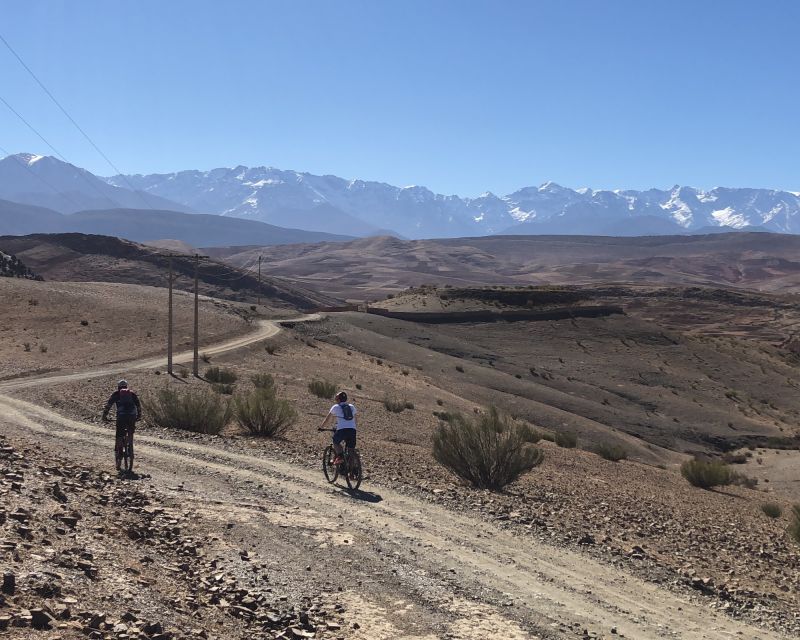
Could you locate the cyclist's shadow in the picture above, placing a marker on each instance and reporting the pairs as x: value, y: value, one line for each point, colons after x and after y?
x: 363, y: 496
x: 132, y: 476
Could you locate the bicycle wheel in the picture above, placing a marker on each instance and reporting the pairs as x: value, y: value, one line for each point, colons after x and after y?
x: 354, y: 471
x: 330, y: 470
x: 127, y: 458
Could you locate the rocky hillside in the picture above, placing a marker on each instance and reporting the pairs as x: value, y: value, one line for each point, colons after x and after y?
x: 13, y: 267
x: 77, y: 257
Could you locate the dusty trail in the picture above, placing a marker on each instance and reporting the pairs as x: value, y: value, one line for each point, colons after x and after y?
x: 265, y: 329
x: 462, y: 568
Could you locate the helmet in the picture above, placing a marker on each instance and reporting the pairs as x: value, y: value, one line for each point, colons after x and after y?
x: 341, y: 397
x: 122, y: 384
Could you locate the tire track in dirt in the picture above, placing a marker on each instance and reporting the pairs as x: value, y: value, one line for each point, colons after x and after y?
x: 552, y: 585
x: 265, y: 329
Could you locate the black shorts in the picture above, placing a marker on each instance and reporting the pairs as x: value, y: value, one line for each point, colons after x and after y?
x: 348, y: 436
x: 125, y: 424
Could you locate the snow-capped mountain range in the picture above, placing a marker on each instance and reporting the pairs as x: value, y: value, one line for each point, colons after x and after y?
x: 361, y: 208
x: 358, y: 207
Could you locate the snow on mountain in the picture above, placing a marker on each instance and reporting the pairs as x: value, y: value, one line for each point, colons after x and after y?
x: 45, y: 181
x: 283, y: 197
x: 358, y: 207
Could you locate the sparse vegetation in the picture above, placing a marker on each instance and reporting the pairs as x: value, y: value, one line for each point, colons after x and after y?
x: 741, y: 480
x: 439, y: 401
x: 771, y: 509
x: 405, y: 372
x: 203, y: 356
x: 489, y: 451
x: 262, y: 381
x: 270, y: 348
x: 262, y: 413
x: 794, y: 525
x: 223, y: 389
x: 26, y: 346
x: 195, y: 410
x: 84, y: 323
x: 221, y: 376
x: 33, y: 302
x: 529, y: 434
x: 359, y: 386
x: 706, y: 473
x: 566, y: 439
x: 444, y: 416
x: 43, y: 348
x: 184, y: 373
x: 612, y: 452
x: 459, y: 368
x: 396, y: 405
x: 322, y: 388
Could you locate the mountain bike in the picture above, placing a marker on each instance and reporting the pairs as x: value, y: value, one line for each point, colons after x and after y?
x: 125, y: 454
x: 350, y: 468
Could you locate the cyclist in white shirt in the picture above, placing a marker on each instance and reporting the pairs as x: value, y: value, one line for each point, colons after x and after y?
x: 345, y: 415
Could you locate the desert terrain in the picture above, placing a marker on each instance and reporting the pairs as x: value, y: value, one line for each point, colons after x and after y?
x: 232, y: 536
x: 370, y: 268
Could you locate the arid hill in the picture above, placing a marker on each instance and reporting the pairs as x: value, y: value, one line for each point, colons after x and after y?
x: 77, y: 257
x: 372, y: 267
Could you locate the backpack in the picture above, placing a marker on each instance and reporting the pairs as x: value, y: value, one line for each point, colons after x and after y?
x: 347, y: 411
x: 126, y: 405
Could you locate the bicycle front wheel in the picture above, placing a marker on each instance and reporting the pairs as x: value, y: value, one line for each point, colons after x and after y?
x: 330, y: 469
x: 354, y: 471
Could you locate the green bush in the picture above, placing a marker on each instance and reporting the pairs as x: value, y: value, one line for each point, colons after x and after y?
x: 566, y: 439
x: 262, y: 381
x: 322, y: 389
x: 489, y: 451
x: 262, y: 413
x: 706, y: 473
x: 612, y: 452
x: 221, y: 376
x: 794, y: 526
x: 771, y: 509
x: 192, y: 410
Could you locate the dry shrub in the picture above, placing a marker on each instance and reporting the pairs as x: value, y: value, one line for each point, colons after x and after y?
x: 198, y: 410
x: 566, y: 439
x: 322, y: 389
x: 706, y: 473
x: 262, y: 381
x: 612, y: 452
x: 262, y: 413
x: 221, y: 376
x: 489, y: 451
x: 395, y: 405
x: 771, y: 509
x: 794, y: 526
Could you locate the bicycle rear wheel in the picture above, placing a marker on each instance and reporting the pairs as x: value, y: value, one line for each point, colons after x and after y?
x: 127, y: 458
x: 330, y: 469
x: 354, y: 470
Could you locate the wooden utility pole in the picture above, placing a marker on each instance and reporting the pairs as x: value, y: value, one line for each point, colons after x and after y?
x: 259, y: 280
x: 195, y: 362
x: 169, y: 322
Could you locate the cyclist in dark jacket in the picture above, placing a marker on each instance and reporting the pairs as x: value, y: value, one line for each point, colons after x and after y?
x: 129, y: 410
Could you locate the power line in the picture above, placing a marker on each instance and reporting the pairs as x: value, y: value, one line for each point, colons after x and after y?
x: 72, y: 120
x: 56, y: 151
x: 39, y: 177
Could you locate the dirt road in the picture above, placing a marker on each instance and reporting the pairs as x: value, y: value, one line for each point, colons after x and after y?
x: 416, y: 570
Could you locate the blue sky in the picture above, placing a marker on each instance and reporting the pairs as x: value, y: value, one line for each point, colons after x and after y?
x: 460, y: 96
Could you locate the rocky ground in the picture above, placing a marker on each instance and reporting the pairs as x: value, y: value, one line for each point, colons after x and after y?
x: 88, y: 554
x: 713, y: 545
